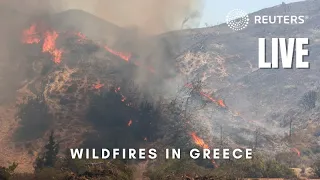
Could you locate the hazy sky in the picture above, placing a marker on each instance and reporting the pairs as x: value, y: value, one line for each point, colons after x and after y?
x: 216, y: 11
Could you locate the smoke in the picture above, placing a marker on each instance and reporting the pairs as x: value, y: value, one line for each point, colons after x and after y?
x: 142, y: 20
x: 13, y: 18
x: 145, y: 18
x: 150, y: 16
x: 139, y: 20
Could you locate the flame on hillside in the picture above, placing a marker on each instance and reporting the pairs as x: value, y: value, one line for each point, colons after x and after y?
x: 130, y: 122
x: 200, y: 142
x: 124, y: 56
x: 221, y: 103
x: 296, y: 151
x: 30, y: 36
x: 98, y: 86
x: 49, y: 46
x: 81, y: 36
x: 49, y: 39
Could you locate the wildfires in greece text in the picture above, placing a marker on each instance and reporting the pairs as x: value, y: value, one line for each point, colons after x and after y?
x: 131, y: 153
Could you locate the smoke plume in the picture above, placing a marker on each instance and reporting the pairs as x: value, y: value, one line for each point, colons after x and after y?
x: 141, y: 19
x: 151, y: 16
x: 131, y: 28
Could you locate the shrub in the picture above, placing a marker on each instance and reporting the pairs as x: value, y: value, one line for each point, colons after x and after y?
x: 289, y: 159
x: 24, y: 176
x: 6, y: 173
x: 308, y: 100
x: 35, y: 119
x: 50, y: 174
x: 174, y: 169
x: 316, y: 168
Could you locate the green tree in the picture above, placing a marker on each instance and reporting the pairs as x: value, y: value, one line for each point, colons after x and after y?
x: 49, y: 157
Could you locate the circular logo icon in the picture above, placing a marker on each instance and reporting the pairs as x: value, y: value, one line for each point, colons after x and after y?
x: 237, y: 19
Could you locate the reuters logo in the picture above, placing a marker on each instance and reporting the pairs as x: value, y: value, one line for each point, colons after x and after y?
x: 237, y: 19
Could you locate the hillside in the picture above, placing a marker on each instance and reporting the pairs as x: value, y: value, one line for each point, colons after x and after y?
x: 99, y: 85
x: 263, y: 98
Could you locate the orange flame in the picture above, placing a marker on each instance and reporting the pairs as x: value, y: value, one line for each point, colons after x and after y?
x: 123, y: 98
x: 296, y: 151
x: 57, y: 54
x: 30, y: 36
x: 221, y: 103
x: 198, y: 141
x: 81, y: 36
x: 49, y: 46
x: 207, y: 96
x: 121, y: 55
x: 98, y: 86
x: 117, y: 90
x: 130, y: 122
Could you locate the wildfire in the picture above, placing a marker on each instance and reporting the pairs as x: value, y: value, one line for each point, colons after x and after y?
x: 30, y: 36
x: 198, y: 141
x: 98, y: 86
x: 121, y: 55
x: 296, y: 151
x: 130, y: 122
x: 81, y: 36
x: 117, y: 90
x: 49, y: 46
x: 123, y: 98
x: 221, y: 103
x: 207, y: 96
